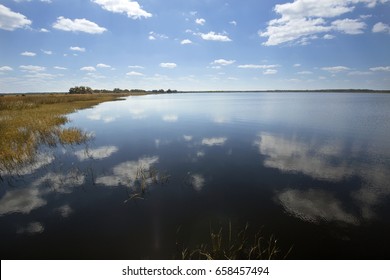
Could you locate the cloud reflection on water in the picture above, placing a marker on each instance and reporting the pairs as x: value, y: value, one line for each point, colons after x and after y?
x: 326, y: 161
x: 98, y: 153
x: 126, y: 173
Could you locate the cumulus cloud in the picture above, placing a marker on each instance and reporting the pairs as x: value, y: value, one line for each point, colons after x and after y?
x: 88, y: 68
x: 131, y: 8
x: 154, y: 36
x: 169, y: 65
x: 78, y: 25
x: 102, y: 65
x: 134, y: 73
x: 335, y: 69
x: 300, y: 21
x: 349, y: 26
x: 223, y: 62
x: 77, y: 49
x: 270, y: 72
x: 186, y: 42
x: 200, y: 21
x: 32, y: 68
x: 6, y: 68
x: 381, y: 68
x: 28, y: 54
x: 381, y: 27
x: 10, y: 20
x: 212, y: 36
x: 256, y: 66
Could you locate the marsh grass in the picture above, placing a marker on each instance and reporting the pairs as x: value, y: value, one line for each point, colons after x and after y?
x: 226, y: 245
x: 28, y: 121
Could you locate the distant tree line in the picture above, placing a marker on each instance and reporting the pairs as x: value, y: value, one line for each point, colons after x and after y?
x: 80, y: 90
x: 88, y: 90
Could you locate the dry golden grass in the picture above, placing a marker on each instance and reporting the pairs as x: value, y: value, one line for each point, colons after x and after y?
x: 28, y: 121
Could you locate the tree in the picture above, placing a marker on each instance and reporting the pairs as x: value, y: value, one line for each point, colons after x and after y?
x: 80, y: 90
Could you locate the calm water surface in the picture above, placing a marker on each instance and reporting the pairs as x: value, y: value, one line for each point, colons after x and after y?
x: 312, y: 169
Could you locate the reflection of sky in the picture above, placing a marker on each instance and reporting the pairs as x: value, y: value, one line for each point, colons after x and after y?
x: 315, y: 158
x: 125, y: 173
x: 214, y: 141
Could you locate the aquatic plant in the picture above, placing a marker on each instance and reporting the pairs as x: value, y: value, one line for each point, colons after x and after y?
x: 230, y: 246
x: 28, y: 121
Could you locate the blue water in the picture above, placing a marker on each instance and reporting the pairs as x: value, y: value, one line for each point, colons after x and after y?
x: 311, y: 169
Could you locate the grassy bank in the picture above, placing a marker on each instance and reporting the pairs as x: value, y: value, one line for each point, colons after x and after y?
x: 27, y: 121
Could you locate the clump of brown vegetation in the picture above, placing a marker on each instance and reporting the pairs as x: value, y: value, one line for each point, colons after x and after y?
x: 28, y: 121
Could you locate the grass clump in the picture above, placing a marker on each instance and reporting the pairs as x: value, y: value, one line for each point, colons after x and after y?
x: 28, y: 121
x: 225, y: 245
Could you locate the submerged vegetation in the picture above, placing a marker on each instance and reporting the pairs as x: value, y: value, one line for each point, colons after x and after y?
x: 28, y: 121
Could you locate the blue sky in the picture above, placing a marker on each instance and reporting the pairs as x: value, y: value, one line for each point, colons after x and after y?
x: 52, y: 45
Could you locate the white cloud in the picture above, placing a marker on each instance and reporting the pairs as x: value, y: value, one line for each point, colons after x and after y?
x: 77, y: 49
x: 98, y: 153
x: 200, y: 21
x: 349, y: 26
x: 216, y: 141
x: 381, y: 27
x: 78, y: 25
x: 233, y: 22
x: 28, y: 54
x: 186, y: 42
x: 154, y: 36
x: 300, y: 21
x: 381, y: 68
x: 304, y: 73
x: 44, y: 30
x: 256, y: 66
x: 335, y: 69
x: 88, y: 68
x: 134, y: 73
x: 169, y: 65
x: 32, y: 68
x: 328, y: 37
x: 10, y: 20
x: 270, y: 72
x: 6, y: 68
x: 223, y: 62
x: 129, y: 7
x: 212, y: 36
x: 59, y: 68
x: 47, y: 52
x: 188, y: 138
x: 136, y: 67
x: 102, y: 65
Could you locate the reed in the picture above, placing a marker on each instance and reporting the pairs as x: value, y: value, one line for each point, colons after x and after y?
x: 230, y: 246
x: 28, y: 121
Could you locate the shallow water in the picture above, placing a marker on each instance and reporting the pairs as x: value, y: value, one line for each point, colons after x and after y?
x: 312, y: 169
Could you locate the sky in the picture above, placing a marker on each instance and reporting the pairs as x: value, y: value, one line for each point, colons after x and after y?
x: 52, y: 45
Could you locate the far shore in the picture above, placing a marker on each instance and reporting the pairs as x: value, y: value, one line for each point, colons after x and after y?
x: 144, y: 92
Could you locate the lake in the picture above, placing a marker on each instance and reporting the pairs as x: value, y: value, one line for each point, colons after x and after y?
x: 161, y: 172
